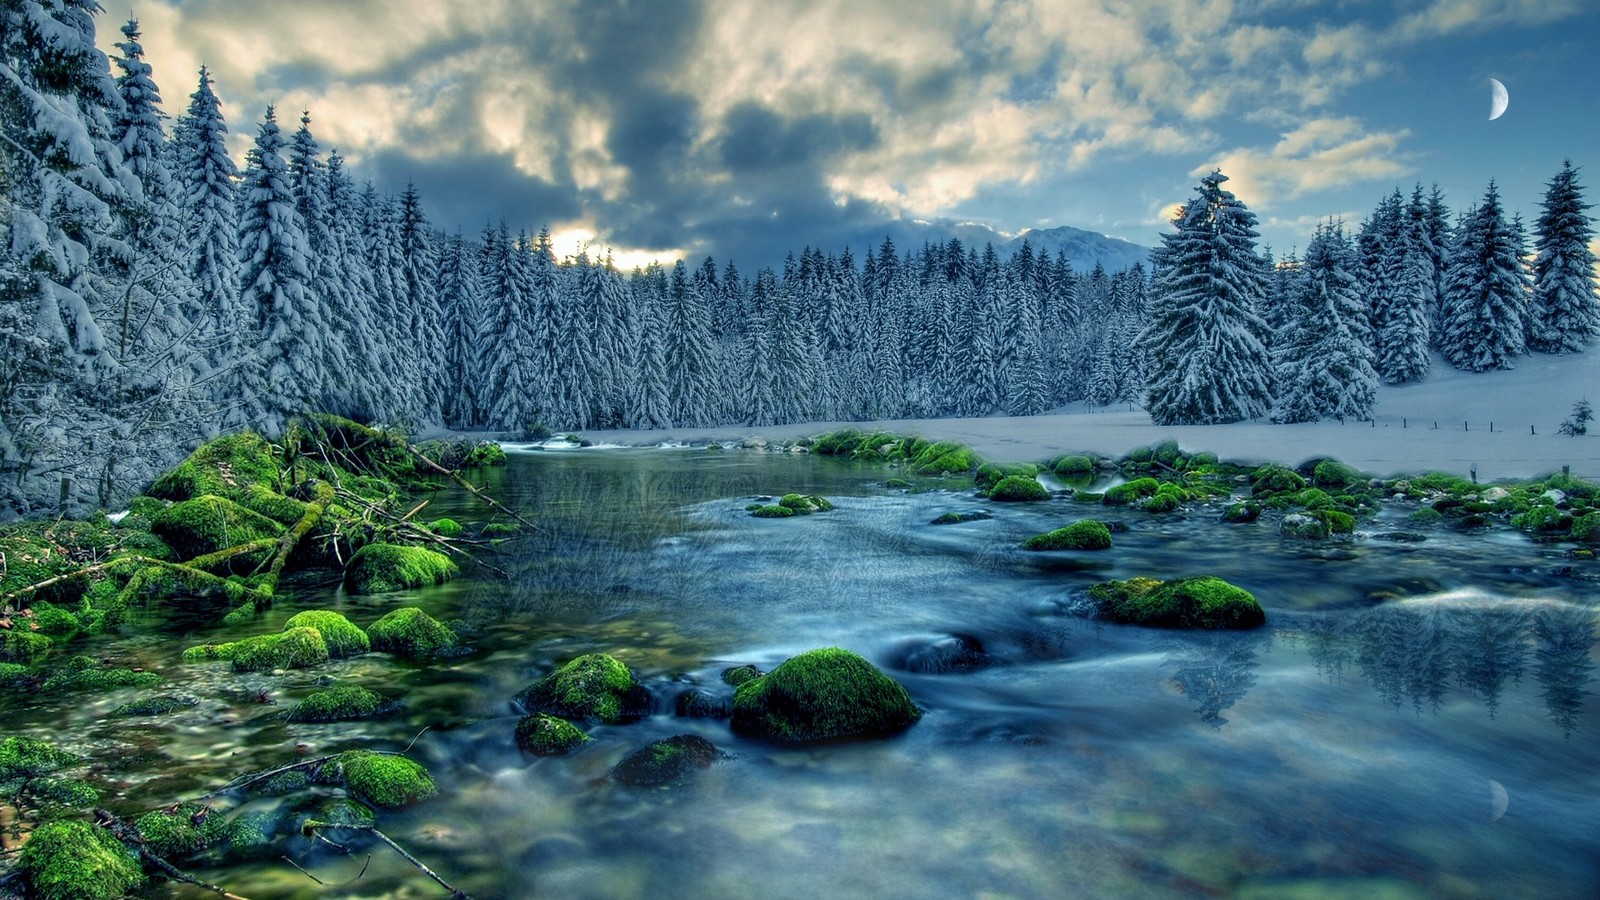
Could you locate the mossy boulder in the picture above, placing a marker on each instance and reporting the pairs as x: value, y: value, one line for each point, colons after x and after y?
x: 1073, y: 466
x: 1085, y: 535
x: 1425, y: 516
x: 1336, y: 476
x: 545, y: 735
x: 446, y: 527
x: 14, y: 674
x: 275, y: 506
x: 210, y: 523
x: 1303, y: 527
x: 1088, y: 497
x: 220, y: 466
x: 956, y: 518
x: 296, y: 648
x: 805, y: 504
x: 55, y: 622
x: 1241, y: 513
x: 945, y: 458
x: 1202, y: 602
x: 1586, y: 528
x: 155, y: 706
x: 341, y: 703
x: 1164, y: 501
x: 86, y: 673
x: 1543, y: 519
x: 733, y: 676
x: 74, y: 860
x: 412, y: 634
x: 1018, y: 489
x: 594, y: 687
x: 382, y: 779
x: 25, y: 757
x: 20, y: 645
x: 381, y: 568
x: 343, y: 637
x: 699, y: 703
x: 1337, y: 521
x: 664, y: 762
x: 771, y: 511
x: 823, y: 695
x: 1130, y: 491
x: 1271, y: 480
x: 182, y: 831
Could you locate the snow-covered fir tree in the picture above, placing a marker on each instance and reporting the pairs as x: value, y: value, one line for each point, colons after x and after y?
x: 327, y: 289
x: 692, y: 375
x: 355, y: 321
x: 1325, y: 366
x: 424, y: 332
x: 1485, y: 291
x: 206, y: 185
x: 758, y: 383
x: 461, y: 301
x: 1565, y: 314
x: 509, y: 366
x: 1205, y: 346
x: 288, y: 375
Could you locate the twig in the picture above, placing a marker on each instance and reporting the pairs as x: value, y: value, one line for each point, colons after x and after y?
x: 456, y: 477
x: 417, y: 738
x: 129, y: 835
x: 174, y: 873
x: 303, y: 871
x: 311, y: 827
x: 236, y: 783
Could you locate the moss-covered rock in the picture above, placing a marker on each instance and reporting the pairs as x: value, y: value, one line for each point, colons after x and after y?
x: 733, y: 676
x: 155, y: 706
x: 220, y: 466
x: 771, y: 511
x: 805, y: 504
x: 545, y: 735
x: 1088, y: 497
x: 699, y: 703
x: 1163, y: 501
x: 1201, y: 602
x: 412, y: 634
x: 343, y: 637
x: 664, y: 762
x: 485, y: 453
x: 210, y: 523
x: 14, y: 675
x: 1271, y: 480
x: 19, y: 645
x: 1131, y: 491
x: 380, y: 568
x: 1241, y: 513
x: 1336, y: 476
x: 1425, y: 516
x: 1543, y: 519
x: 381, y: 779
x: 1338, y: 522
x: 275, y: 506
x: 1018, y: 488
x: 956, y: 518
x: 1085, y: 535
x: 25, y: 757
x: 945, y: 458
x: 592, y: 687
x: 446, y: 527
x: 1586, y: 528
x: 1303, y: 527
x: 341, y: 703
x: 823, y: 695
x: 295, y: 648
x: 1073, y: 466
x: 74, y: 860
x: 55, y: 622
x: 85, y: 673
x: 181, y: 832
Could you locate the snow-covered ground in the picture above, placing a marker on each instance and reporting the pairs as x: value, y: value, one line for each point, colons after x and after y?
x: 1538, y: 394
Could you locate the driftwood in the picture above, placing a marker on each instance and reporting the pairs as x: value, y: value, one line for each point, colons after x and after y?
x: 311, y: 828
x: 129, y: 836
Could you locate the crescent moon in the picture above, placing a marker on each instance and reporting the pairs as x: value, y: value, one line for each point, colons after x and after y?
x: 1498, y: 99
x: 1498, y: 800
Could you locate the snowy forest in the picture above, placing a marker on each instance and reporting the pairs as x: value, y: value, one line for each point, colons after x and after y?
x: 151, y: 294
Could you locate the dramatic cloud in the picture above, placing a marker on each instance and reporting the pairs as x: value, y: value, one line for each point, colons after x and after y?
x: 749, y: 129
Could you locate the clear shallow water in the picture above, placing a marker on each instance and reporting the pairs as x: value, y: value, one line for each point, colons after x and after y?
x: 1347, y: 749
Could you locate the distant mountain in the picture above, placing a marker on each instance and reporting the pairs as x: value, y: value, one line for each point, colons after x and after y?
x: 1083, y: 248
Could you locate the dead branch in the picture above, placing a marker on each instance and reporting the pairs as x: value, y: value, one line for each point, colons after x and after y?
x: 311, y: 827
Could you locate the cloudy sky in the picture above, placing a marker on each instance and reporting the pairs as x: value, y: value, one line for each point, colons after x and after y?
x: 746, y: 128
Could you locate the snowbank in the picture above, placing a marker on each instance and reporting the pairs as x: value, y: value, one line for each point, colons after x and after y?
x: 1535, y: 396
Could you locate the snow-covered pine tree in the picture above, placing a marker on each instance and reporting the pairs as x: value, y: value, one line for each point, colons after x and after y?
x: 461, y: 296
x: 759, y: 387
x: 206, y: 179
x: 1485, y: 292
x: 64, y: 189
x: 1027, y: 391
x: 327, y: 289
x: 1440, y: 237
x: 396, y: 378
x: 1326, y: 369
x: 419, y: 258
x: 357, y: 319
x: 289, y: 376
x: 1205, y: 346
x: 508, y: 364
x: 546, y: 356
x: 1402, y: 334
x: 690, y: 346
x: 1566, y: 309
x: 648, y: 405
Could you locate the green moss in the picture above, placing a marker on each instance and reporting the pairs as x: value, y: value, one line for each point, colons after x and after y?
x: 796, y: 502
x: 734, y: 676
x: 1241, y: 513
x: 1337, y: 522
x: 1018, y: 488
x: 546, y: 735
x: 1129, y: 491
x: 446, y: 527
x: 1307, y: 527
x: 412, y: 634
x: 380, y: 568
x: 823, y: 695
x: 296, y: 648
x: 85, y: 673
x: 945, y: 458
x: 500, y: 529
x: 62, y: 795
x: 155, y: 706
x: 1085, y: 535
x: 956, y: 518
x: 1088, y: 497
x: 771, y: 512
x: 221, y: 466
x: 1586, y: 528
x: 55, y: 622
x: 181, y: 832
x: 282, y: 783
x: 837, y: 443
x: 21, y: 646
x: 344, y: 702
x: 594, y: 686
x: 485, y: 453
x: 268, y: 502
x: 1074, y: 465
x: 664, y: 762
x: 898, y: 484
x: 1441, y: 482
x: 1162, y: 502
x: 1200, y: 602
x: 73, y: 860
x: 210, y: 523
x: 1425, y: 516
x: 25, y: 757
x: 249, y: 836
x: 1271, y: 480
x: 343, y: 638
x: 381, y: 779
x: 1330, y: 473
x: 14, y: 674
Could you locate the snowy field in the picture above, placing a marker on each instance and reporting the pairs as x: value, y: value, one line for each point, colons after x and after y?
x: 1538, y: 394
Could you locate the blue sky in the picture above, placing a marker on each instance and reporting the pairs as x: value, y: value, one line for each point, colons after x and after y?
x: 661, y: 128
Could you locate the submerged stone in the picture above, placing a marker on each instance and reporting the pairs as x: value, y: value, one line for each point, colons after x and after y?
x: 823, y: 695
x: 545, y: 735
x: 1241, y: 513
x: 594, y: 686
x: 737, y: 675
x: 412, y: 634
x: 956, y: 518
x: 85, y: 673
x: 1085, y: 535
x: 182, y: 831
x: 155, y: 706
x: 381, y: 568
x: 345, y: 702
x: 941, y: 655
x: 1202, y: 602
x: 666, y: 761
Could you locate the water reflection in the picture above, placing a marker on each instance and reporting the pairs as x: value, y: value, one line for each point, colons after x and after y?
x: 1415, y: 652
x: 1215, y: 670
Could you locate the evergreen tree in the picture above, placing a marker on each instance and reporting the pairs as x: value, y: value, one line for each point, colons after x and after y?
x: 461, y: 296
x: 206, y: 179
x: 327, y: 289
x: 289, y: 377
x: 1565, y: 313
x: 1402, y: 330
x: 692, y: 375
x: 1485, y: 292
x: 1206, y: 343
x: 425, y: 321
x: 1326, y: 369
x: 509, y: 365
x: 759, y: 376
x: 357, y: 320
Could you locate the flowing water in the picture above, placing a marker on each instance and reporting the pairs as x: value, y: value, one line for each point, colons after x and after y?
x: 1413, y: 721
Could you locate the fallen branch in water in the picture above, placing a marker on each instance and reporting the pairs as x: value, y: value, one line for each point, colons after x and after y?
x: 129, y: 836
x: 312, y: 826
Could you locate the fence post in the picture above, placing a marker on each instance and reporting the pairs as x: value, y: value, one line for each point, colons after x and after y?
x: 1466, y: 426
x: 1531, y: 431
x: 1402, y: 421
x: 1491, y: 426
